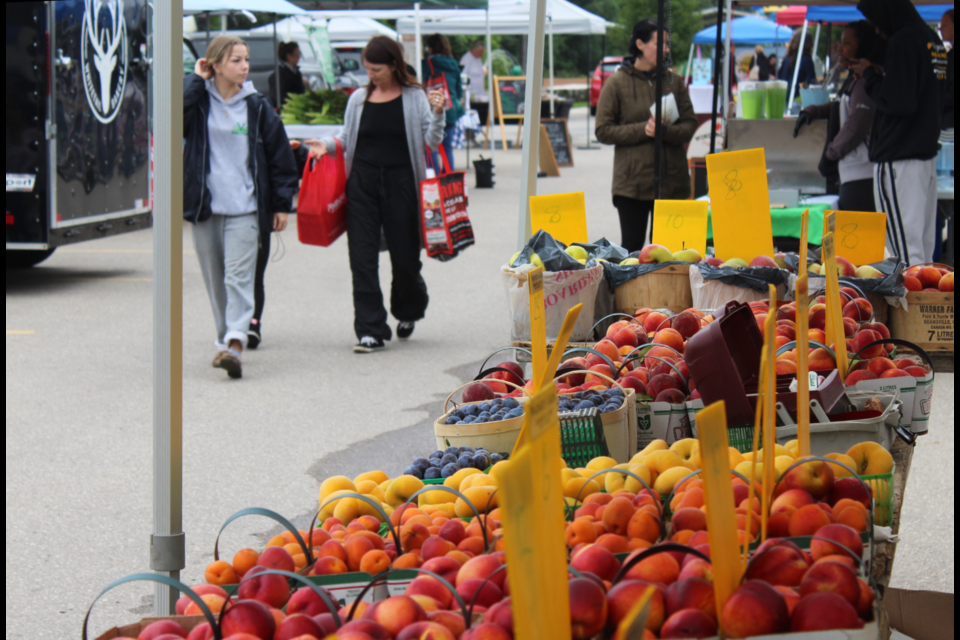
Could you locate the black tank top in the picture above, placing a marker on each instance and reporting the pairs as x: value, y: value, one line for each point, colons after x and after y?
x: 382, y: 138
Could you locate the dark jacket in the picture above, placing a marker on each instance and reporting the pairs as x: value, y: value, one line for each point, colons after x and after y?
x: 808, y: 71
x: 272, y: 165
x: 907, y: 92
x: 622, y: 115
x: 291, y: 81
x: 948, y: 96
x: 849, y: 146
x: 434, y: 67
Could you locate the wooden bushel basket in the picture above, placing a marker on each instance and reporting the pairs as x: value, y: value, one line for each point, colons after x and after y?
x: 928, y: 322
x: 667, y: 288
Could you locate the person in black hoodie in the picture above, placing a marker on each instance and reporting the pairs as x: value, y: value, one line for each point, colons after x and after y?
x: 291, y: 80
x: 904, y: 141
x: 946, y: 30
x: 239, y: 179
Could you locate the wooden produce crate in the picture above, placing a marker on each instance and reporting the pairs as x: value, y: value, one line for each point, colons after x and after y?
x: 667, y: 288
x: 928, y: 322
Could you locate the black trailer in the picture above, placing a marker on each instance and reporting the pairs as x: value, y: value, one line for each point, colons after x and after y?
x: 78, y: 129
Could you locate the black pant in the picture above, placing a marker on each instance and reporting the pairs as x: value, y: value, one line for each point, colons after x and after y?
x: 384, y: 198
x: 634, y: 219
x: 857, y: 196
x: 263, y: 257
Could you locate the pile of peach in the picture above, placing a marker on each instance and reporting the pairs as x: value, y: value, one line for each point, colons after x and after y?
x: 928, y: 279
x: 622, y: 523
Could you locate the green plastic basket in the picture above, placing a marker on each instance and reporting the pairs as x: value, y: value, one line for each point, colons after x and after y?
x: 581, y: 437
x: 882, y: 486
x: 741, y: 438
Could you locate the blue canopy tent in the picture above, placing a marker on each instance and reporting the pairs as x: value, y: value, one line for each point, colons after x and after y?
x: 931, y: 13
x: 747, y: 31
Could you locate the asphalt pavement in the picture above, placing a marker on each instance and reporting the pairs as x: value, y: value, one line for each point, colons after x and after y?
x: 79, y: 394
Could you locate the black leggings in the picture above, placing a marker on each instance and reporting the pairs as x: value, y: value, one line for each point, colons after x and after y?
x: 259, y: 295
x: 634, y: 221
x: 857, y: 196
x: 384, y: 199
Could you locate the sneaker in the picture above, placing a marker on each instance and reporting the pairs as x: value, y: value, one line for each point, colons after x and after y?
x: 405, y: 330
x: 369, y: 344
x: 230, y: 362
x: 253, y: 334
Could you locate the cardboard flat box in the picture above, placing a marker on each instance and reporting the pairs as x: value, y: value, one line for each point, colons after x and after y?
x: 133, y: 630
x: 921, y: 615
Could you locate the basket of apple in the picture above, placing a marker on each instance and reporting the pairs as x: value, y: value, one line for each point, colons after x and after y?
x: 654, y: 277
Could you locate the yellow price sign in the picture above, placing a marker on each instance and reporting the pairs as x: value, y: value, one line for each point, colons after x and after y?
x: 740, y: 203
x: 538, y: 323
x: 835, y: 333
x: 681, y: 224
x: 532, y: 507
x: 860, y: 237
x: 718, y: 497
x: 563, y: 216
x: 803, y: 342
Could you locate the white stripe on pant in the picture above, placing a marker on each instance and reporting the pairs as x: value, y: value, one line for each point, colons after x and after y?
x: 227, y: 249
x: 906, y: 191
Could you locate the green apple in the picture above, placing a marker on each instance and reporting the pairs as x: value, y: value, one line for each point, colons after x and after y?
x: 736, y: 263
x: 869, y: 272
x: 688, y: 255
x: 661, y: 255
x: 578, y: 253
x: 629, y: 262
x: 536, y: 261
x: 514, y: 258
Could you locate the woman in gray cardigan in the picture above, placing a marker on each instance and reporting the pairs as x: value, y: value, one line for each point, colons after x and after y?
x: 387, y: 127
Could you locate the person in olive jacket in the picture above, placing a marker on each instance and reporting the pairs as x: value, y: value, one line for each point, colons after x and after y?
x: 625, y: 119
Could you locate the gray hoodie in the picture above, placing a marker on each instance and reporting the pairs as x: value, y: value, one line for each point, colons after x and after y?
x: 230, y: 181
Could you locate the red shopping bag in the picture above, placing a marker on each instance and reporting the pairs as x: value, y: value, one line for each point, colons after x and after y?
x: 322, y: 207
x: 443, y: 212
x: 435, y: 82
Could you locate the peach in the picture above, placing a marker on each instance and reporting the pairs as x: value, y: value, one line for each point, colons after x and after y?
x: 213, y: 601
x: 831, y: 577
x: 201, y: 632
x: 277, y: 558
x: 778, y: 565
x: 501, y: 615
x: 850, y: 327
x: 484, y: 593
x: 929, y: 277
x: 661, y: 383
x: 453, y: 621
x: 598, y: 560
x: 836, y: 539
x: 824, y: 612
x: 436, y: 547
x: 473, y: 544
x: 858, y: 310
x: 250, y: 617
x: 670, y: 338
x: 396, y: 614
x: 307, y: 602
x: 655, y: 321
x: 296, y: 626
x: 912, y: 284
x: 329, y: 566
x: 790, y: 596
x: 864, y: 338
x: 356, y: 549
x: 453, y: 531
x: 426, y: 631
x: 865, y: 605
x: 481, y: 568
x: 271, y: 590
x: 412, y: 536
x: 755, y: 609
x: 852, y: 488
x: 221, y: 573
x: 946, y: 283
x: 429, y: 586
x: 374, y: 562
x: 878, y: 366
x: 697, y: 568
x: 814, y: 477
x: 821, y: 361
x: 818, y: 317
x: 588, y: 608
x: 795, y: 498
x: 690, y: 519
x: 689, y: 623
x: 860, y: 376
x: 895, y: 373
x: 623, y: 597
x: 687, y: 325
x: 372, y: 629
x: 644, y: 526
x: 807, y: 521
x: 662, y: 568
x: 486, y: 631
x: 786, y: 367
x: 200, y: 590
x: 162, y: 627
x: 692, y: 593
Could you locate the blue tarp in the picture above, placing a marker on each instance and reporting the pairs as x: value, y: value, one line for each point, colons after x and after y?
x: 931, y: 13
x: 747, y: 31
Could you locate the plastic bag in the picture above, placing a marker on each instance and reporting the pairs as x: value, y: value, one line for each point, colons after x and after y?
x: 890, y: 286
x: 551, y: 252
x: 562, y: 290
x: 322, y: 204
x: 715, y: 294
x: 447, y: 230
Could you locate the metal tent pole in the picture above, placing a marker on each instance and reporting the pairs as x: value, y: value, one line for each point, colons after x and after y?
x: 531, y: 121
x: 796, y: 67
x: 716, y: 77
x: 488, y: 81
x: 816, y: 40
x: 167, y: 544
x: 589, y: 146
x: 658, y: 135
x: 728, y: 65
x: 553, y: 86
x: 687, y: 73
x: 419, y: 43
x: 276, y: 63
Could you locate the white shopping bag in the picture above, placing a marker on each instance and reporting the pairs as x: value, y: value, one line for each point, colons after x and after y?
x: 562, y: 290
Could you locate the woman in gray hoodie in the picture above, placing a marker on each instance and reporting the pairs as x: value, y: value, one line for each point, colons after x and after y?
x: 387, y: 127
x: 239, y: 177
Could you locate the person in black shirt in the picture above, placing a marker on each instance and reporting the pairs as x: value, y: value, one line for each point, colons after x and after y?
x: 946, y: 30
x: 291, y: 80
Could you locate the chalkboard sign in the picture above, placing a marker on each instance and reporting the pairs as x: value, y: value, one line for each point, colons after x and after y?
x: 559, y: 135
x: 511, y: 97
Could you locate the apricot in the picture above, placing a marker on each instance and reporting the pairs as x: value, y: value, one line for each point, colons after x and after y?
x: 459, y: 556
x: 617, y: 515
x: 580, y: 532
x: 472, y: 544
x: 244, y: 560
x: 693, y: 498
x: 292, y: 539
x: 277, y: 541
x: 615, y: 543
x: 408, y: 561
x: 412, y: 536
x: 220, y: 573
x: 374, y: 562
x: 318, y: 537
x: 378, y: 542
x: 212, y: 600
x: 299, y: 561
x: 356, y: 548
x: 682, y: 537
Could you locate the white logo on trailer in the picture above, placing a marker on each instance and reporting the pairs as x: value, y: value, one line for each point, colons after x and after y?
x: 104, y: 49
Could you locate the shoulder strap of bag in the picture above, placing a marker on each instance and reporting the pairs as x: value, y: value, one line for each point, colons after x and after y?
x: 444, y: 167
x: 433, y: 73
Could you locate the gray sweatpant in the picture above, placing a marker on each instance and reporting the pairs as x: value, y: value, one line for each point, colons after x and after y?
x: 906, y: 191
x: 227, y: 249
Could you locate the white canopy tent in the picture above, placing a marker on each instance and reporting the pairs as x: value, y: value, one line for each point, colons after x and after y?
x: 341, y: 29
x: 509, y: 17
